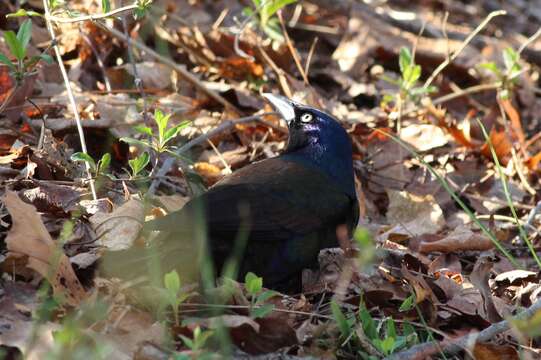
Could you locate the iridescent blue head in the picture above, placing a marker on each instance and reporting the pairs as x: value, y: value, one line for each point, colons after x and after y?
x: 316, y: 139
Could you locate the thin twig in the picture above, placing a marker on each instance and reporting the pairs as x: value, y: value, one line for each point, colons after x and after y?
x: 465, y: 43
x: 98, y: 59
x: 310, y: 54
x: 292, y: 50
x: 225, y: 125
x: 92, y: 17
x: 530, y: 40
x: 183, y: 73
x: 69, y: 92
x: 137, y: 79
x: 427, y: 349
x: 531, y: 216
x: 8, y: 98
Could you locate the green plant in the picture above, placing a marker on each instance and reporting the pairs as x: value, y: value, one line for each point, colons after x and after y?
x: 266, y: 19
x: 410, y: 73
x: 138, y: 164
x: 159, y: 142
x: 505, y: 186
x: 200, y: 337
x: 254, y: 288
x: 382, y: 334
x: 17, y: 45
x: 142, y: 8
x: 173, y: 293
x: 97, y: 169
x: 508, y: 76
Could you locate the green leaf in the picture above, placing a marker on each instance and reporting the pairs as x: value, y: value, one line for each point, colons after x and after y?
x: 14, y: 45
x: 201, y: 337
x: 387, y: 345
x: 143, y: 129
x: 391, y: 328
x: 103, y: 164
x: 5, y: 60
x: 275, y: 5
x: 492, y: 67
x: 363, y: 237
x: 404, y: 59
x: 261, y: 311
x: 253, y: 283
x: 81, y: 156
x: 411, y: 75
x: 133, y: 141
x: 369, y: 325
x: 105, y: 6
x: 47, y: 58
x: 407, y: 304
x: 172, y: 132
x: 161, y: 120
x: 510, y: 58
x: 172, y: 282
x: 23, y: 12
x: 139, y: 163
x: 24, y: 34
x: 340, y: 319
x: 266, y: 295
x: 187, y: 341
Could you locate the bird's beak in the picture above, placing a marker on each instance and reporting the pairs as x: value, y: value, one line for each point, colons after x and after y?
x: 283, y: 105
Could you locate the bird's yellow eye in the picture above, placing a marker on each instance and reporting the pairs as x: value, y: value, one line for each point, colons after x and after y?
x: 306, y: 117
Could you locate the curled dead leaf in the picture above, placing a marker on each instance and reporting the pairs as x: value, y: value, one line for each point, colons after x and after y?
x: 119, y: 229
x: 29, y: 237
x: 460, y: 239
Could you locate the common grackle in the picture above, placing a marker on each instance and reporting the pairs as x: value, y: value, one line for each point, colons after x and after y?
x: 271, y: 217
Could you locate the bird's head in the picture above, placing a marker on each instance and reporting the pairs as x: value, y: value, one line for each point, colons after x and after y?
x: 316, y: 137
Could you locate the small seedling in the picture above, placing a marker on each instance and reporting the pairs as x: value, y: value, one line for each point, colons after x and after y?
x: 142, y: 8
x: 159, y: 142
x: 200, y: 337
x: 18, y: 44
x: 508, y: 77
x: 138, y: 164
x: 410, y: 73
x: 254, y: 287
x: 342, y: 322
x: 173, y: 294
x: 267, y: 21
x: 101, y: 168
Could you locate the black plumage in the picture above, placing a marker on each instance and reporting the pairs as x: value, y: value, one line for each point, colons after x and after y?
x: 273, y: 216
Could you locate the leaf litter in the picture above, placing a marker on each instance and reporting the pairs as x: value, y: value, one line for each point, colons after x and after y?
x: 433, y: 268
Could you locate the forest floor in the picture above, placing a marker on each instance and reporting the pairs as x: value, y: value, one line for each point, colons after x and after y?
x: 441, y: 99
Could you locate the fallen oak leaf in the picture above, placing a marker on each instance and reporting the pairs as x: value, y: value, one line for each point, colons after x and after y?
x: 29, y: 237
x: 460, y: 239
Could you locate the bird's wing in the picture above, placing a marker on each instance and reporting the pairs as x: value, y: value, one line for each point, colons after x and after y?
x: 277, y: 199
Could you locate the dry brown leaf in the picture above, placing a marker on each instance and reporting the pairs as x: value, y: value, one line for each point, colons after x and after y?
x: 173, y: 202
x: 423, y: 136
x: 211, y: 173
x: 460, y: 239
x: 413, y: 215
x: 119, y: 229
x: 479, y: 277
x: 502, y: 146
x: 29, y: 237
x: 484, y: 351
x: 513, y: 275
x: 514, y: 117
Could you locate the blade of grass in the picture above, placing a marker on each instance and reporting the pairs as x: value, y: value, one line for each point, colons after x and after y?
x: 505, y: 186
x: 455, y: 197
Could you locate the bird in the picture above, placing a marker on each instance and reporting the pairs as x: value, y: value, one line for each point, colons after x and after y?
x: 271, y: 217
